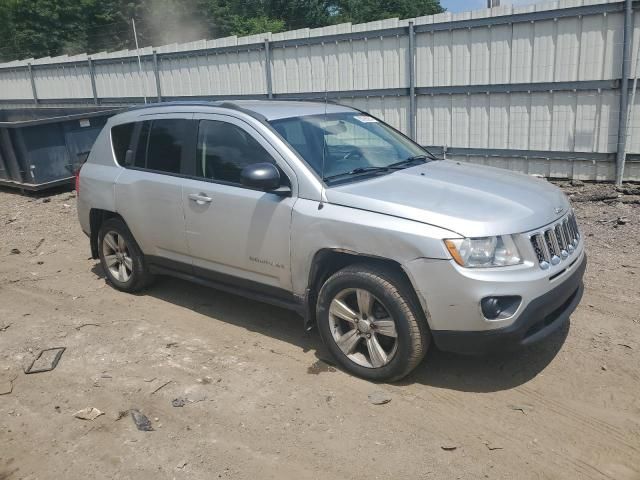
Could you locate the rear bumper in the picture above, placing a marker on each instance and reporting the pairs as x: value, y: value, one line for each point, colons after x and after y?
x: 541, y: 317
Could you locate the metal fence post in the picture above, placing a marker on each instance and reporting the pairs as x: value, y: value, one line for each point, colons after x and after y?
x: 156, y: 72
x: 624, y: 91
x: 92, y: 76
x: 267, y: 67
x: 33, y: 84
x: 412, y: 82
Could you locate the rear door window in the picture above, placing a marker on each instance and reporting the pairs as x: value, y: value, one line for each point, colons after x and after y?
x: 167, y: 140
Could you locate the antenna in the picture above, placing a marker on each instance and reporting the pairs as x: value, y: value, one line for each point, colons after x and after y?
x: 144, y: 84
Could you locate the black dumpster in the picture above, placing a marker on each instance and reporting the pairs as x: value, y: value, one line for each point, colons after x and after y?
x: 43, y: 147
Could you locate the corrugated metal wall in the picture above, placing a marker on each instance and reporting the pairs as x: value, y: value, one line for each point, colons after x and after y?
x: 532, y: 88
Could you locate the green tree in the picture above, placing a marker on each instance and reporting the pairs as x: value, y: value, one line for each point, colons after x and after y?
x: 47, y: 27
x: 360, y: 11
x: 37, y: 28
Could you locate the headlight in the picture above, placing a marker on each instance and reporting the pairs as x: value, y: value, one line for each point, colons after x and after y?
x: 484, y: 252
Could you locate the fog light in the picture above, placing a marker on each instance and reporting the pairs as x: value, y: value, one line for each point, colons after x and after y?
x: 498, y: 308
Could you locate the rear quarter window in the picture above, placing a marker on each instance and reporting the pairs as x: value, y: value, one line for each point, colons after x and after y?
x: 121, y: 136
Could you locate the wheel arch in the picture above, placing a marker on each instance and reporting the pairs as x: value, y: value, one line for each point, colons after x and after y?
x: 328, y: 261
x: 97, y: 217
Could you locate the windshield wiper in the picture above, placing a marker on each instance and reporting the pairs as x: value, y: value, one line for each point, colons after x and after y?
x: 408, y: 162
x: 357, y: 171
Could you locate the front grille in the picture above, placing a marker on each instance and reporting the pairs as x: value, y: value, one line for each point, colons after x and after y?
x: 556, y: 242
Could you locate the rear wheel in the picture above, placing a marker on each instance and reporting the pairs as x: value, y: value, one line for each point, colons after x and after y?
x: 121, y: 259
x: 369, y: 319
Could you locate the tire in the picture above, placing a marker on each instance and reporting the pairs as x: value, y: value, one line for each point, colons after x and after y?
x: 387, y: 296
x: 118, y: 250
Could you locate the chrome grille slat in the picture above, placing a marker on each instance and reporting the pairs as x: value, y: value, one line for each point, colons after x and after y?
x: 557, y: 242
x: 559, y: 237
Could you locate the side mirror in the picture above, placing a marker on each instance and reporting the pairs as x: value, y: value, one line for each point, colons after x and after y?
x: 262, y: 176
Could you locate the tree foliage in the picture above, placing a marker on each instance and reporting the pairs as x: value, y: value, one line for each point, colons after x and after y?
x: 38, y: 28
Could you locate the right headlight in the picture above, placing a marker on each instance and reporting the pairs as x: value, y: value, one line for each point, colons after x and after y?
x: 497, y: 251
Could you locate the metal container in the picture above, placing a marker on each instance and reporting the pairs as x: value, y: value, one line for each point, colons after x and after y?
x: 43, y: 147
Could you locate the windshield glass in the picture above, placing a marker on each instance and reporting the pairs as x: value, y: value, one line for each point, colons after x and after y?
x: 345, y: 146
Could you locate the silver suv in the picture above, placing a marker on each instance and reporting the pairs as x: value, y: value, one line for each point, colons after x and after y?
x: 328, y: 211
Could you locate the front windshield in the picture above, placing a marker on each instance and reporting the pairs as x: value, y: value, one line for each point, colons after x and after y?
x: 345, y: 146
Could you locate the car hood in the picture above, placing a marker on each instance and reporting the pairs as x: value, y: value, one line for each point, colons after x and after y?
x: 471, y: 200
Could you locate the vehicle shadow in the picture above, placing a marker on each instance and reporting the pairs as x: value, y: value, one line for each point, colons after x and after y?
x: 440, y: 369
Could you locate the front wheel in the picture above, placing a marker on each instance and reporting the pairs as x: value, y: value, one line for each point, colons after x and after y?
x: 370, y: 320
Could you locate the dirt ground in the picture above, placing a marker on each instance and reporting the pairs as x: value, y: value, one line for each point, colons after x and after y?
x: 260, y: 401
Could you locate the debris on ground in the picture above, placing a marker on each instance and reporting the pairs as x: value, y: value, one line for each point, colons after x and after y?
x: 161, y: 386
x: 7, y: 387
x: 5, y: 327
x: 449, y: 447
x: 46, y: 360
x: 521, y: 408
x: 320, y: 366
x: 89, y: 413
x: 38, y: 245
x: 140, y: 419
x: 492, y: 446
x: 379, y: 397
x: 15, y: 251
x: 604, y: 368
x: 78, y: 327
x: 121, y: 414
x: 179, y: 402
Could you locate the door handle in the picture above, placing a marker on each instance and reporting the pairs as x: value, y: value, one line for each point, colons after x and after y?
x: 200, y: 198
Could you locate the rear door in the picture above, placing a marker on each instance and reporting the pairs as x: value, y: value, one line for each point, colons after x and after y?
x: 149, y: 190
x: 236, y: 234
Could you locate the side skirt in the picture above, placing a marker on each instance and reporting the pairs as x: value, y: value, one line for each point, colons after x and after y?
x: 230, y: 284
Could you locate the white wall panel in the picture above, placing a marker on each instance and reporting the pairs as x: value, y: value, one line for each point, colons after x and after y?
x: 424, y: 121
x: 500, y: 54
x: 519, y: 117
x: 63, y: 81
x: 480, y: 56
x: 442, y: 46
x: 123, y: 79
x: 460, y: 120
x: 15, y: 84
x: 544, y: 51
x: 424, y: 59
x: 498, y: 121
x: 460, y: 58
x: 567, y: 57
x: 479, y: 121
x: 522, y: 53
x: 563, y: 122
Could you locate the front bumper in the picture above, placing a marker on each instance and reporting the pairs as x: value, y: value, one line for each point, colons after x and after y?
x: 539, y: 319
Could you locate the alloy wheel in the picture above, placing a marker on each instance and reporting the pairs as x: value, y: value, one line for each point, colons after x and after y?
x: 363, y: 328
x: 117, y: 257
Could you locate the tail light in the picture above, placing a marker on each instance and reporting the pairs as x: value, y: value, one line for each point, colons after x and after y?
x: 77, y: 176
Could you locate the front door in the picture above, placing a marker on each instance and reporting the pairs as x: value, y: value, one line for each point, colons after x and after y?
x: 236, y: 234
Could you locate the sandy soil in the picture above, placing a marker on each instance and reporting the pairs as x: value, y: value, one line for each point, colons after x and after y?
x: 262, y: 402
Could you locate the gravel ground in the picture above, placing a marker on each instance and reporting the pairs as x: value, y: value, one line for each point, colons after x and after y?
x: 260, y: 398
